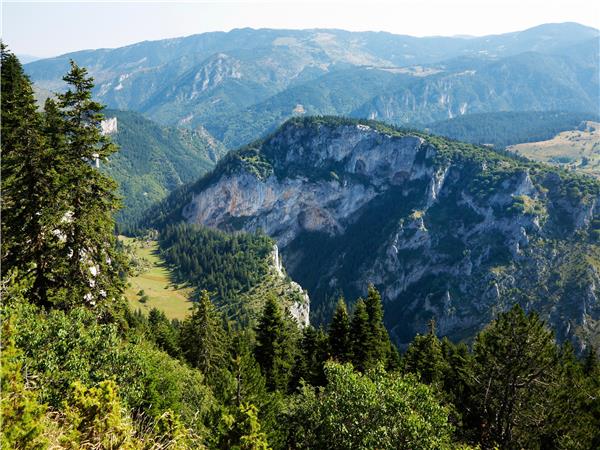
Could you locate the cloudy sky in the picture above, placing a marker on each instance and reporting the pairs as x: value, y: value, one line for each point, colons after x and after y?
x: 46, y: 28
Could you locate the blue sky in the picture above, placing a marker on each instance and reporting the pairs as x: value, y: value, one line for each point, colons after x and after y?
x: 50, y: 28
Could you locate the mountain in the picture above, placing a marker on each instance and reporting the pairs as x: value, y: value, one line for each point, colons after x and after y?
x: 24, y: 58
x: 501, y: 129
x: 524, y: 82
x: 444, y: 229
x: 153, y: 160
x: 244, y: 83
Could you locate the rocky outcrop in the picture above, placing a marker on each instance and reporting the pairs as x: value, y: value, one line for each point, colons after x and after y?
x: 299, y: 307
x: 109, y: 126
x: 445, y: 230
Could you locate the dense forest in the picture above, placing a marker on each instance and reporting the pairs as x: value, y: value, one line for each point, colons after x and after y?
x: 153, y: 160
x: 81, y: 370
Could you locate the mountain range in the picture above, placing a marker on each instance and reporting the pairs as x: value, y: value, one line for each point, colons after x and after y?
x: 242, y: 84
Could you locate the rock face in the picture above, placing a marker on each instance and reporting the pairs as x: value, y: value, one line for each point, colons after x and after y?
x: 109, y: 126
x: 445, y: 230
x: 299, y: 309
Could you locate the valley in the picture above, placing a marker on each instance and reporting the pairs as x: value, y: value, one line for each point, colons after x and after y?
x: 152, y: 285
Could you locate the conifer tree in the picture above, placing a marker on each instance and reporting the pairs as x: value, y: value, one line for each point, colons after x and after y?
x: 30, y: 207
x: 360, y: 336
x: 310, y: 362
x: 203, y: 340
x: 424, y: 357
x: 163, y: 333
x: 514, y: 360
x: 93, y: 263
x: 249, y: 384
x: 340, y: 343
x: 274, y: 346
x: 378, y: 343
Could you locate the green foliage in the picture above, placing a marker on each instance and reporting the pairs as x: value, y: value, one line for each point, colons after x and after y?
x: 364, y: 411
x: 340, y: 342
x: 21, y: 415
x: 153, y: 160
x: 225, y: 264
x: 314, y: 351
x: 514, y: 360
x: 93, y: 262
x: 242, y: 431
x: 31, y: 182
x: 203, y: 339
x: 370, y: 343
x: 424, y: 357
x: 163, y: 333
x: 66, y: 347
x: 275, y: 345
x: 94, y: 417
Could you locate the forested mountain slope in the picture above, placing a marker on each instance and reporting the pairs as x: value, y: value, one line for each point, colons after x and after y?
x: 153, y: 160
x: 446, y: 230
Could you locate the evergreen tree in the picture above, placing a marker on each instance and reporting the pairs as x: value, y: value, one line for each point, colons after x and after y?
x: 340, y: 343
x: 310, y: 362
x: 30, y: 176
x: 360, y: 336
x: 92, y: 274
x: 163, y: 332
x: 203, y: 340
x: 378, y: 343
x: 424, y: 357
x: 274, y: 349
x: 514, y: 360
x: 590, y: 364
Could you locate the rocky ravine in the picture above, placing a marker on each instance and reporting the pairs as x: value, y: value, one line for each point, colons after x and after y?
x: 444, y: 229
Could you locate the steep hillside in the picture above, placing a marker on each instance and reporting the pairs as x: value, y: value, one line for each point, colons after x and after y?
x: 153, y: 160
x: 444, y: 229
x: 577, y: 149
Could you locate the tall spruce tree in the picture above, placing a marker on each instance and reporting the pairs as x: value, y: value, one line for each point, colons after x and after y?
x: 424, y: 357
x: 360, y: 336
x: 340, y: 343
x: 202, y: 338
x: 378, y: 343
x: 274, y: 348
x: 92, y: 274
x: 30, y: 207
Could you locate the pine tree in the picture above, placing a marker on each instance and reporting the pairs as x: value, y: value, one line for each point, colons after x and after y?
x: 378, y: 343
x: 514, y: 360
x: 93, y: 262
x: 340, y: 343
x: 30, y: 207
x: 310, y: 362
x: 424, y: 357
x: 274, y: 348
x: 203, y: 340
x: 163, y: 333
x: 360, y: 336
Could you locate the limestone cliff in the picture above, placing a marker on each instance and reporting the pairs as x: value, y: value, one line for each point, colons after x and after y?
x: 444, y: 229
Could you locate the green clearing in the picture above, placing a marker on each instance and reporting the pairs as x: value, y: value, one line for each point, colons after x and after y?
x: 155, y: 281
x: 577, y: 150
